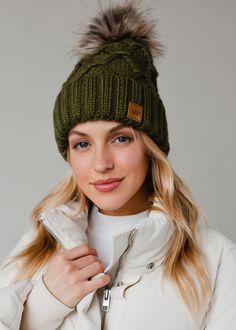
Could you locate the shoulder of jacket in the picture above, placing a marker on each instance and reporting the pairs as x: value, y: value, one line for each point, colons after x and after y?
x: 215, y: 244
x: 8, y: 269
x: 25, y: 239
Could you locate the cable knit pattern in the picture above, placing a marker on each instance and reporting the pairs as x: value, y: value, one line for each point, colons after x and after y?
x: 103, y: 83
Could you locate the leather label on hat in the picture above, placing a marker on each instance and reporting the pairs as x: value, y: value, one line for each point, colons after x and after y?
x: 135, y: 112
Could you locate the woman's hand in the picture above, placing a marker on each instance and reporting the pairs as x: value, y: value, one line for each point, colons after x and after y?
x: 68, y: 275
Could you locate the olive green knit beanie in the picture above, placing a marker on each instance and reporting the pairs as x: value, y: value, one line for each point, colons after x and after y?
x: 115, y: 79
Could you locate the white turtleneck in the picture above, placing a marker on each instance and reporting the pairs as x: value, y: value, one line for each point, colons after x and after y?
x: 101, y: 229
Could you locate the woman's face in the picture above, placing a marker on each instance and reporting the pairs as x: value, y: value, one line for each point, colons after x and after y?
x: 110, y: 166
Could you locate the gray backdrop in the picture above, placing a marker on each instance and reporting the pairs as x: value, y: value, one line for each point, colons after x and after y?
x: 196, y: 82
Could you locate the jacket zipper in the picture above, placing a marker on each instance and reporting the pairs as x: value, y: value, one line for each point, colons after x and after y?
x: 42, y: 219
x: 106, y: 301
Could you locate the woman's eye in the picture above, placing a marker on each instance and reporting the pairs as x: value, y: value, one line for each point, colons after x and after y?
x: 80, y: 145
x: 122, y: 139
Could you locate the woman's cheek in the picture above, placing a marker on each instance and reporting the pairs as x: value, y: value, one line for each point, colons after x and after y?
x: 81, y: 170
x: 78, y: 165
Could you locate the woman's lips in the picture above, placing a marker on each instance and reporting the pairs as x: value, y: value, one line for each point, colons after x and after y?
x: 107, y: 185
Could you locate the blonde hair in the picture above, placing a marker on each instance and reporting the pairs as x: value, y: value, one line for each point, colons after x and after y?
x: 183, y: 264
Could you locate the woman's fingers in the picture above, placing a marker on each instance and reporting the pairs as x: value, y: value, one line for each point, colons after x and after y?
x: 79, y: 251
x: 94, y: 284
x: 84, y: 261
x: 91, y: 270
x: 69, y: 275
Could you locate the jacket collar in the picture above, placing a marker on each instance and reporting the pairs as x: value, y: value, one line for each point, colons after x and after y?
x: 149, y: 243
x: 140, y: 247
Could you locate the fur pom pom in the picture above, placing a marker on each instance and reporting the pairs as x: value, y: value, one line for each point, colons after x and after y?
x: 118, y: 22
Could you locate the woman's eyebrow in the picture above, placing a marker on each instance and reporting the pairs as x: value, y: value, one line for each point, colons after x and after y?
x: 77, y: 133
x: 116, y: 128
x: 113, y: 129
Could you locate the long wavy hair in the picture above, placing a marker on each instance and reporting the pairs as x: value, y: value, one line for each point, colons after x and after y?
x: 183, y: 263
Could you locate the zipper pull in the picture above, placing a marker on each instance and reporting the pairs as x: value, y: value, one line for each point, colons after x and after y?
x: 106, y: 300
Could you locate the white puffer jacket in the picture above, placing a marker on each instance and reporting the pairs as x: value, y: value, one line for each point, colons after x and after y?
x: 138, y: 299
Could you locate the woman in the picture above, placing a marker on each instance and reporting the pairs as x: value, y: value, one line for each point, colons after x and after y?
x: 118, y: 244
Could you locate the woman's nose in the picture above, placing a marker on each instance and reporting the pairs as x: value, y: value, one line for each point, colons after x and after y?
x: 103, y: 160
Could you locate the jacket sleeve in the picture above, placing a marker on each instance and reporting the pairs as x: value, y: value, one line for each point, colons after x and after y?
x: 13, y: 296
x: 222, y: 311
x: 12, y: 299
x: 43, y: 310
x: 27, y: 304
x: 8, y: 271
